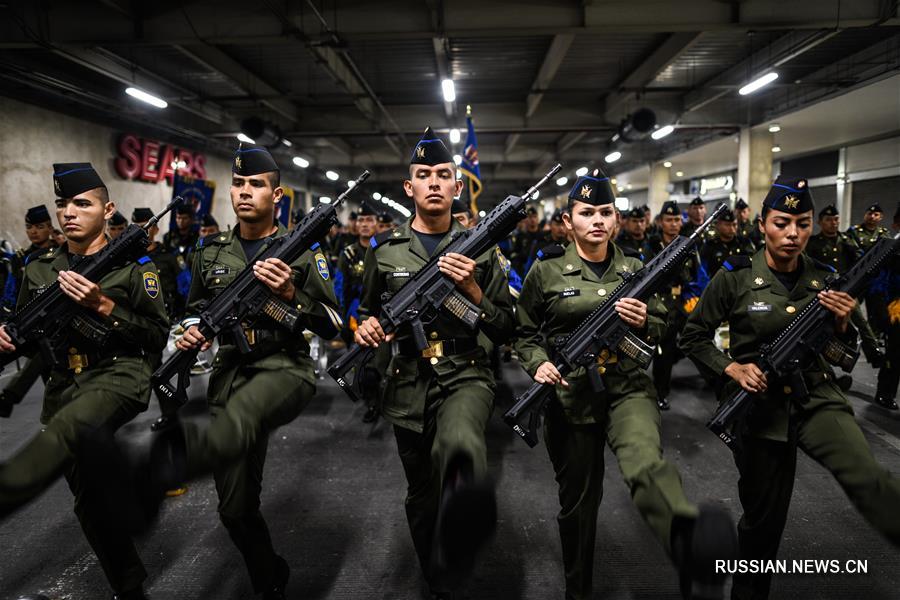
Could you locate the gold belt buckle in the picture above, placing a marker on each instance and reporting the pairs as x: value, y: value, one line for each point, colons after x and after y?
x: 435, y: 349
x: 250, y: 334
x: 77, y: 362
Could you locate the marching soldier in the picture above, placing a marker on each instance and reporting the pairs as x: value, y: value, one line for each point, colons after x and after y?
x: 180, y: 240
x: 634, y: 228
x: 725, y: 244
x: 745, y: 225
x: 462, y: 212
x: 555, y: 235
x: 439, y: 400
x: 865, y: 235
x: 696, y: 215
x: 95, y: 386
x: 116, y: 225
x: 524, y: 240
x: 165, y: 261
x: 759, y: 299
x: 208, y: 225
x: 385, y: 222
x: 558, y: 293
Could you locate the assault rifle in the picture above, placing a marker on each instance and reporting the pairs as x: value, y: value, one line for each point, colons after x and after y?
x: 809, y: 334
x: 245, y: 298
x: 603, y: 333
x: 45, y: 321
x: 429, y: 292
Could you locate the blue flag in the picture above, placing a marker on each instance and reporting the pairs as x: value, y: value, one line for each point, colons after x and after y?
x: 469, y: 166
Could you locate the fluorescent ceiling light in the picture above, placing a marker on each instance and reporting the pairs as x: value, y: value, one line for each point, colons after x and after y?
x: 243, y: 138
x: 613, y: 156
x: 562, y: 181
x: 454, y: 136
x: 581, y: 172
x: 325, y: 200
x: 449, y: 90
x: 301, y: 162
x: 668, y: 164
x: 332, y: 175
x: 774, y: 128
x: 622, y: 203
x: 679, y: 173
x: 145, y: 97
x: 758, y: 83
x: 287, y: 143
x: 376, y: 196
x: 662, y: 132
x: 776, y: 148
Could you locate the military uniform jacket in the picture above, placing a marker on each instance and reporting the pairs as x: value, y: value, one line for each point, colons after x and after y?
x: 168, y: 268
x: 393, y: 258
x: 714, y: 251
x: 624, y: 240
x: 219, y: 258
x: 864, y: 238
x: 839, y: 252
x: 558, y: 293
x: 758, y: 308
x: 137, y: 326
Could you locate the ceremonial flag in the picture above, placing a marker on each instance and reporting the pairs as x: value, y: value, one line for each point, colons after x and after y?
x: 198, y: 193
x: 469, y: 166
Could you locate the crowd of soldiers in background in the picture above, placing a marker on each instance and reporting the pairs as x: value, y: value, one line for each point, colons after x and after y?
x: 639, y: 234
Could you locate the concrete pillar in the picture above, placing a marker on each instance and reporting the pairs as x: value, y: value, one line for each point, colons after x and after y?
x: 844, y: 191
x: 657, y: 187
x: 754, y: 173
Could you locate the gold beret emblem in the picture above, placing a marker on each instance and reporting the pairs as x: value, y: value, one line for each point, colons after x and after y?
x: 237, y: 161
x: 420, y: 151
x: 586, y: 191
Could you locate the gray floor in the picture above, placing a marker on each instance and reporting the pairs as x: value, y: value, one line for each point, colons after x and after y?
x: 334, y: 501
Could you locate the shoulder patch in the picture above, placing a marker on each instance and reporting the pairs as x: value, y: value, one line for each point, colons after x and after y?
x: 737, y: 262
x: 315, y: 246
x: 151, y: 284
x: 551, y: 251
x: 322, y: 266
x: 143, y: 260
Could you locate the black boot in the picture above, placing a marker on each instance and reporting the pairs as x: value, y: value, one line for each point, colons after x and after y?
x: 663, y: 404
x: 696, y: 545
x: 135, y: 594
x: 282, y: 575
x: 845, y: 382
x: 885, y: 402
x: 371, y: 414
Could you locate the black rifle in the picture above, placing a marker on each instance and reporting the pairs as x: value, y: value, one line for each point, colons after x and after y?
x: 429, y: 291
x: 603, y: 332
x: 244, y: 299
x: 809, y: 334
x: 45, y: 321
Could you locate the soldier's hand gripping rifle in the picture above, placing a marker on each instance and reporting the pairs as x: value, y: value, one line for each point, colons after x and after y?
x: 603, y: 333
x: 244, y: 299
x: 43, y: 323
x: 809, y: 334
x: 429, y: 291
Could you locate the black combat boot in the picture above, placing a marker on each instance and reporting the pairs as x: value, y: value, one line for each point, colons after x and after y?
x: 282, y: 575
x: 696, y: 546
x: 885, y: 402
x: 135, y: 594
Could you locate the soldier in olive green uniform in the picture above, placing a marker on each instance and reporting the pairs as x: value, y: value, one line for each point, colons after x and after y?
x: 758, y: 300
x: 164, y: 260
x: 865, y: 235
x: 633, y: 234
x: 249, y: 395
x: 440, y: 399
x: 696, y: 215
x: 724, y: 244
x: 94, y: 386
x: 745, y: 225
x: 559, y: 292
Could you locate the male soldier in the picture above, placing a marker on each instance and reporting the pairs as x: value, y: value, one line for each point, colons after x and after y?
x: 650, y: 227
x: 385, y: 222
x: 439, y: 399
x: 250, y: 395
x: 462, y: 212
x: 696, y: 215
x: 117, y: 224
x: 180, y: 240
x: 38, y: 228
x: 96, y: 385
x: 668, y: 354
x: 839, y: 251
x: 525, y: 239
x: 165, y: 261
x: 556, y: 234
x: 348, y: 282
x: 352, y: 232
x: 208, y: 225
x: 865, y: 235
x: 634, y: 230
x: 744, y: 223
x: 726, y: 243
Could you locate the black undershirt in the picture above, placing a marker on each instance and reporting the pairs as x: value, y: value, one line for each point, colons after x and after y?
x: 598, y: 267
x: 789, y: 280
x: 251, y: 247
x: 430, y: 240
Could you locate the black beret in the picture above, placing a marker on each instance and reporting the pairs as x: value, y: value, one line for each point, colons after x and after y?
x: 208, y: 221
x: 252, y: 159
x: 184, y: 208
x: 71, y: 179
x: 37, y: 214
x: 790, y: 195
x: 353, y: 216
x: 118, y: 219
x: 531, y: 210
x: 829, y: 211
x: 874, y: 208
x: 430, y: 151
x: 726, y: 215
x: 670, y: 207
x: 557, y: 216
x: 741, y: 204
x: 593, y: 189
x: 645, y: 209
x: 635, y: 213
x: 697, y: 201
x: 141, y: 215
x: 385, y: 218
x: 460, y: 207
x: 365, y: 210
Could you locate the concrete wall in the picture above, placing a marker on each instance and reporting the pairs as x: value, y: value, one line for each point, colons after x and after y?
x: 32, y: 139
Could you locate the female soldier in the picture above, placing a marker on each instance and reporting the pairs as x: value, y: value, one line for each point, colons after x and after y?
x: 564, y: 285
x: 759, y: 299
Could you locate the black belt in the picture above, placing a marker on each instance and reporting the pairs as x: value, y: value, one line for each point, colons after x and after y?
x: 253, y: 336
x: 77, y: 360
x: 436, y: 348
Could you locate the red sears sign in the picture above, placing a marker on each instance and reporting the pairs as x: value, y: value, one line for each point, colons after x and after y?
x: 152, y: 161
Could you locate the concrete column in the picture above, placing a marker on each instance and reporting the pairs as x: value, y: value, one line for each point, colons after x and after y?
x: 657, y: 188
x: 844, y: 190
x: 754, y: 173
